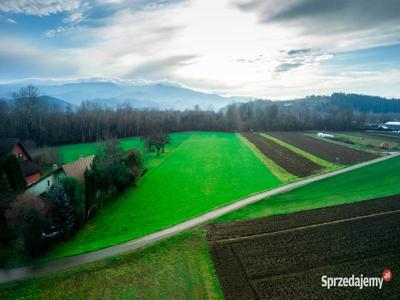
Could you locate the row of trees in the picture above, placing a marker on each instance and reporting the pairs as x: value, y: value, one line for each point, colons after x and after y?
x: 30, y: 118
x: 113, y: 170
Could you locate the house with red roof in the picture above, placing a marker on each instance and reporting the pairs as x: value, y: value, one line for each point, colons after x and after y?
x: 29, y: 169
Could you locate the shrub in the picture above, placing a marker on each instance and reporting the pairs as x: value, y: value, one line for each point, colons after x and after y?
x: 26, y: 216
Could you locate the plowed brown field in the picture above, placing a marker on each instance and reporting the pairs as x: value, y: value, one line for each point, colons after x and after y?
x: 285, y: 257
x: 292, y: 162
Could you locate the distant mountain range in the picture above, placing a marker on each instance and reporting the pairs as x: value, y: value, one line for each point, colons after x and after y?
x: 51, y: 101
x: 141, y: 95
x: 164, y: 95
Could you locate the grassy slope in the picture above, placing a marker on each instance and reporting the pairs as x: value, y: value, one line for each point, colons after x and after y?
x: 328, y: 166
x: 206, y: 171
x: 381, y: 179
x: 177, y: 268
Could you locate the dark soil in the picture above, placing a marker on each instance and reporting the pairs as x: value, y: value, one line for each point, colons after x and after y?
x: 326, y: 150
x: 292, y: 162
x: 227, y: 230
x: 290, y: 264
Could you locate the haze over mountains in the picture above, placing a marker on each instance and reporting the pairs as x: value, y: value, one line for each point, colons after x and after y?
x: 160, y: 95
x: 165, y: 95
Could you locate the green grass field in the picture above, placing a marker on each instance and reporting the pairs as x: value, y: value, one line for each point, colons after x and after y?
x: 177, y: 268
x: 70, y: 153
x: 374, y: 181
x: 206, y: 171
x: 180, y: 266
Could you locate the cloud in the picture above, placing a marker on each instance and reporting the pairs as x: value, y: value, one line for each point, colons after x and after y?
x: 326, y: 16
x: 21, y: 58
x: 38, y: 7
x: 341, y: 14
x: 295, y: 58
x: 4, y: 19
x: 62, y: 29
x: 252, y: 48
x: 161, y: 68
x: 287, y: 66
x: 299, y: 51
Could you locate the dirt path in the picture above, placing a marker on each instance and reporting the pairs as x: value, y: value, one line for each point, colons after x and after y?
x: 7, y: 275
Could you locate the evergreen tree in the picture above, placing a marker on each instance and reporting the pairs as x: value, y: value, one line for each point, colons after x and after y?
x: 7, y: 195
x: 62, y: 211
x: 13, y: 171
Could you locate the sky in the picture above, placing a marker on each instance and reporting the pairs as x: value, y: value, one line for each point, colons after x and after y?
x: 260, y: 48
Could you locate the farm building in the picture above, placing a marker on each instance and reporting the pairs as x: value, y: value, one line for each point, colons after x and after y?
x: 75, y: 169
x: 29, y: 169
x: 392, y: 125
x: 325, y: 135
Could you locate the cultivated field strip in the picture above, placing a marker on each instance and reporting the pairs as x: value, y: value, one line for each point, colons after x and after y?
x: 292, y: 162
x: 237, y: 229
x: 326, y: 150
x: 382, y: 136
x: 290, y: 264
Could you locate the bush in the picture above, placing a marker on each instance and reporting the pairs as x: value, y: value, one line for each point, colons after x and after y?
x: 13, y: 171
x: 26, y: 216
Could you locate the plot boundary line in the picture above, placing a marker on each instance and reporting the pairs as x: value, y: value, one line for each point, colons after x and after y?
x: 299, y: 228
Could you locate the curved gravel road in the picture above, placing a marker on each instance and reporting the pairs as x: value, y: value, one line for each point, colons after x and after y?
x: 7, y: 275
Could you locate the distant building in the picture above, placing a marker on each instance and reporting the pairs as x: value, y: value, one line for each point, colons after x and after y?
x: 29, y: 169
x: 392, y: 126
x: 75, y: 169
x: 325, y: 135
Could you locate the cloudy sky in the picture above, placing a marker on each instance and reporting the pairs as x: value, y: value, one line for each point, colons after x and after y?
x: 262, y: 48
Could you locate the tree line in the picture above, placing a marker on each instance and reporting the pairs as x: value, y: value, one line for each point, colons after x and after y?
x: 41, y: 123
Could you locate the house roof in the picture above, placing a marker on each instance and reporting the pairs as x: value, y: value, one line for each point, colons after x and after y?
x: 29, y: 168
x: 77, y: 168
x: 7, y: 145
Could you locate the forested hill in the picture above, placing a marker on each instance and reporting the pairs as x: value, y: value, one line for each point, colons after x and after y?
x: 30, y: 117
x: 341, y: 101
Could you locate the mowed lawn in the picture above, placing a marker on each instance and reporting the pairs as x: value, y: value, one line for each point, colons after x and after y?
x: 179, y: 267
x: 206, y: 171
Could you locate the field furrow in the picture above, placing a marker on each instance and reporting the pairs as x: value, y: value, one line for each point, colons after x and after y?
x: 291, y: 161
x: 328, y: 151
